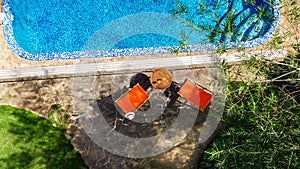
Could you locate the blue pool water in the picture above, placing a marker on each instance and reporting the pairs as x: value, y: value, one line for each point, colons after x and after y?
x: 60, y: 29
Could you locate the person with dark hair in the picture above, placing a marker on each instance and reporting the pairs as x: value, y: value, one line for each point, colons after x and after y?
x: 140, y: 78
x: 171, y: 93
x: 160, y: 78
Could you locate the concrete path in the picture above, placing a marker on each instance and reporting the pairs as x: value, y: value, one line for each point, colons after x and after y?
x: 80, y: 69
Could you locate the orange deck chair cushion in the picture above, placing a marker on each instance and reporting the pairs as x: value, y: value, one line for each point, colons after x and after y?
x: 195, y: 94
x: 133, y: 99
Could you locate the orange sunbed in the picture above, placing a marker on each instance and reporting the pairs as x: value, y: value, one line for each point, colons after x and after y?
x: 195, y: 94
x: 132, y: 99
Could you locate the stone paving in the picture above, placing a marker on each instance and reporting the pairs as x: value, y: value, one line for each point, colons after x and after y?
x: 39, y: 95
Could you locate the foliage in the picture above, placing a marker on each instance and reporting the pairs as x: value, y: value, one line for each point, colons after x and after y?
x: 181, y: 9
x: 262, y: 116
x: 30, y: 141
x: 263, y: 122
x: 293, y: 11
x: 58, y: 116
x: 229, y: 24
x: 182, y: 44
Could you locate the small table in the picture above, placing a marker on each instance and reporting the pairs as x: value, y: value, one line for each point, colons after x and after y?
x: 161, y: 78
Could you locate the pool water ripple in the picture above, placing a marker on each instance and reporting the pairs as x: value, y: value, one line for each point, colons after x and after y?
x: 60, y: 30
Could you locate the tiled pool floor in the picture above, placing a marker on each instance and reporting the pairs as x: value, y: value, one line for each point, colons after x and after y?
x: 9, y: 60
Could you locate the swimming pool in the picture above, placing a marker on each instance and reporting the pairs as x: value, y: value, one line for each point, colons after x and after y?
x: 57, y: 29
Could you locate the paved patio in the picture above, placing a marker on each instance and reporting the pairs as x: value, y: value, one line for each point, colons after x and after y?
x: 28, y: 85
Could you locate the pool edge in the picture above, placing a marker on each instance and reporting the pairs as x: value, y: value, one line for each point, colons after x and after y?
x: 9, y: 38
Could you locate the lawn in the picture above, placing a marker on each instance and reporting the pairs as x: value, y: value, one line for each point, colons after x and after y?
x: 30, y: 141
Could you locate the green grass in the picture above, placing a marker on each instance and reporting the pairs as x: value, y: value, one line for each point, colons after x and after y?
x: 30, y: 141
x: 263, y: 129
x: 262, y: 118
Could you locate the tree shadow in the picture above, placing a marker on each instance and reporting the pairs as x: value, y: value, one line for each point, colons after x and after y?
x: 248, y: 23
x: 37, y: 143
